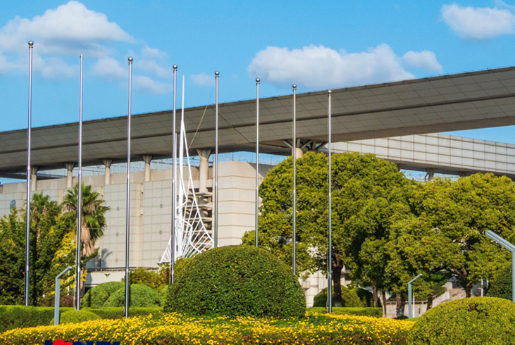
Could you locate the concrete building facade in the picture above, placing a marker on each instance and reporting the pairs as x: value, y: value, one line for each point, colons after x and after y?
x: 151, y: 195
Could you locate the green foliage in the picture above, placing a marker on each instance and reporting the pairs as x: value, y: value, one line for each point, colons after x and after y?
x: 472, y: 321
x: 114, y: 313
x: 156, y: 279
x: 140, y: 296
x: 93, y: 220
x: 501, y: 287
x: 236, y: 281
x: 369, y: 194
x: 373, y: 312
x: 98, y: 295
x: 76, y: 316
x: 47, y: 231
x: 22, y: 317
x: 445, y: 233
x: 164, y: 292
x: 366, y: 298
x: 350, y: 298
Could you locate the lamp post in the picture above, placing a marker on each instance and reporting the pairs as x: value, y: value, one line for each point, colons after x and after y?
x: 410, y: 311
x: 511, y: 248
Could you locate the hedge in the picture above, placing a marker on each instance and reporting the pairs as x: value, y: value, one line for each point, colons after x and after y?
x: 76, y: 316
x: 22, y: 317
x: 180, y: 329
x: 236, y: 281
x: 372, y: 312
x: 140, y: 296
x: 471, y: 321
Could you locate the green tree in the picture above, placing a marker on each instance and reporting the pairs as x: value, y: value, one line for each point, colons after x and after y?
x: 93, y: 220
x: 47, y: 231
x: 369, y: 194
x: 447, y: 234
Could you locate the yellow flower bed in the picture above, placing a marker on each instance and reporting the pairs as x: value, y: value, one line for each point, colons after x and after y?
x: 173, y: 328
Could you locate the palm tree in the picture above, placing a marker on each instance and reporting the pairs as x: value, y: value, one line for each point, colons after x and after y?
x: 93, y: 220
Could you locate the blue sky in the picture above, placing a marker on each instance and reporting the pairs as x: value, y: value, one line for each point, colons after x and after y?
x: 317, y: 45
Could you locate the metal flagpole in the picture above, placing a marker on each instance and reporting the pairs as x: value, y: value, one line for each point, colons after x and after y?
x: 79, y: 198
x: 330, y: 251
x: 294, y: 147
x: 128, y: 201
x: 217, y: 74
x: 257, y: 161
x: 27, y: 233
x: 174, y: 178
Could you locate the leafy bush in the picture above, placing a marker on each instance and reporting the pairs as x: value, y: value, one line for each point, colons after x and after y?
x: 76, y: 316
x: 372, y: 312
x: 173, y: 328
x: 140, y: 296
x: 98, y: 295
x: 236, y: 281
x: 351, y: 298
x: 471, y: 321
x: 502, y: 285
x: 20, y: 316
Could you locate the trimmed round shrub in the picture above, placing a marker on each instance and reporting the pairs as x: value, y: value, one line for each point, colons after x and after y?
x: 98, y: 295
x: 76, y: 316
x: 350, y: 298
x: 501, y: 286
x: 236, y: 281
x: 471, y: 321
x: 140, y: 296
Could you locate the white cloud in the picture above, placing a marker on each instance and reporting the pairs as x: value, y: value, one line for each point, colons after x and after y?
x: 60, y: 35
x: 425, y: 59
x: 70, y: 29
x: 203, y: 79
x: 478, y: 23
x: 150, y: 62
x: 110, y: 68
x: 54, y: 68
x: 147, y: 85
x: 321, y: 67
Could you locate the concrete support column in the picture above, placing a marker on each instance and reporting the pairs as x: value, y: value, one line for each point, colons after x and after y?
x: 298, y: 152
x: 69, y: 174
x: 203, y: 169
x: 33, y: 178
x: 107, y: 164
x: 147, y: 159
x: 430, y: 174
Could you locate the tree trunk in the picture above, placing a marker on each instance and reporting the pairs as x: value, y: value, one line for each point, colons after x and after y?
x: 383, y: 301
x: 403, y: 304
x: 468, y: 289
x: 374, y: 293
x: 337, y: 266
x: 429, y: 302
x: 399, y: 310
